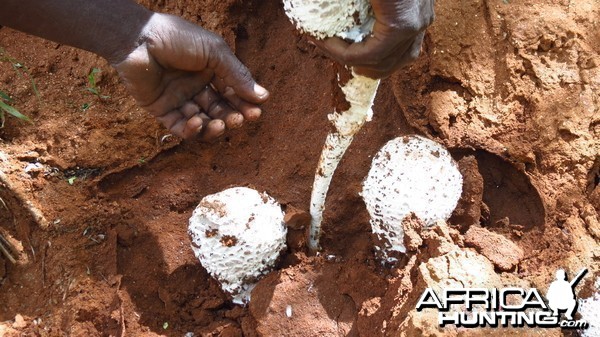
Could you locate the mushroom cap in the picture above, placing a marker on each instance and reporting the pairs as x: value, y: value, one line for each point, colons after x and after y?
x: 410, y: 174
x: 349, y: 19
x: 237, y: 235
x: 589, y: 308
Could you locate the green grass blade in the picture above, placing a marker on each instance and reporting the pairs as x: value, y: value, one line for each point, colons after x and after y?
x: 14, y: 112
x: 35, y: 88
x: 92, y: 77
x: 5, y: 96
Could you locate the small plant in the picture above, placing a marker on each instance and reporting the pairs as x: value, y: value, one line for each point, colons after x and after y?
x: 92, y: 86
x: 5, y: 99
x: 5, y: 107
x: 20, y: 69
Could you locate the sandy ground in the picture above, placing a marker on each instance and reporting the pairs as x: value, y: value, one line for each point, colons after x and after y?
x: 510, y: 87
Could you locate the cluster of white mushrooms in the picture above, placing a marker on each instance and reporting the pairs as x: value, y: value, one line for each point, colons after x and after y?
x: 238, y: 234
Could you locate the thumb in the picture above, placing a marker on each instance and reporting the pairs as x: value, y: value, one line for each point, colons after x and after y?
x: 234, y: 74
x: 182, y: 45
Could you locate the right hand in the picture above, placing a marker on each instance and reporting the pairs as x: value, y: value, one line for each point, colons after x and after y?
x: 395, y: 42
x: 189, y: 79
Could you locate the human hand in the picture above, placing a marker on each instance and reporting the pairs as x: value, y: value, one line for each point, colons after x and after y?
x: 189, y: 79
x: 395, y: 42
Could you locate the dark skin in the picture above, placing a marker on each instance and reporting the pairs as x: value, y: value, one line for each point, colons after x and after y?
x: 186, y: 76
x: 395, y: 42
x: 189, y: 79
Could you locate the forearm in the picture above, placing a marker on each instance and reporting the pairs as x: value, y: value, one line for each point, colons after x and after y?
x: 109, y: 28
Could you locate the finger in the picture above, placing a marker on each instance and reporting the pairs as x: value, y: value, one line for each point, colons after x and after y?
x: 370, y: 73
x: 205, y: 118
x: 234, y: 74
x: 385, y: 68
x: 207, y: 98
x: 186, y: 128
x: 216, y: 108
x: 367, y: 52
x: 415, y: 49
x: 334, y: 47
x: 169, y: 119
x: 178, y: 91
x: 385, y: 41
x: 181, y: 126
x: 190, y: 109
x: 234, y: 120
x: 213, y: 130
x: 251, y: 112
x: 193, y: 126
x: 393, y: 63
x: 224, y: 112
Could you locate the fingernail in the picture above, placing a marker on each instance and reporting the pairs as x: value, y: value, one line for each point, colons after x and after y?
x: 234, y: 120
x: 260, y: 91
x: 254, y: 114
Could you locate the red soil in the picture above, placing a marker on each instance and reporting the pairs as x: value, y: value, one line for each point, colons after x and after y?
x: 511, y: 89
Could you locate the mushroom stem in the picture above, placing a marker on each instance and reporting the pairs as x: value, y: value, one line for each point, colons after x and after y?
x: 360, y: 92
x: 349, y: 20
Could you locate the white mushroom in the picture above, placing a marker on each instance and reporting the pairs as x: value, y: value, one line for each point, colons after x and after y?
x: 349, y: 19
x: 237, y: 235
x: 409, y: 174
x: 323, y: 19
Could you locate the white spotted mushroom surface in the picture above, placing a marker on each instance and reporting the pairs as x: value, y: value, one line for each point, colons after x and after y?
x: 237, y: 235
x: 348, y: 19
x: 589, y: 309
x: 410, y: 174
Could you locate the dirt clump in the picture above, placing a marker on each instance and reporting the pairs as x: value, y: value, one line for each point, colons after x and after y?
x: 295, y: 218
x: 412, y: 227
x: 468, y: 210
x: 503, y: 253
